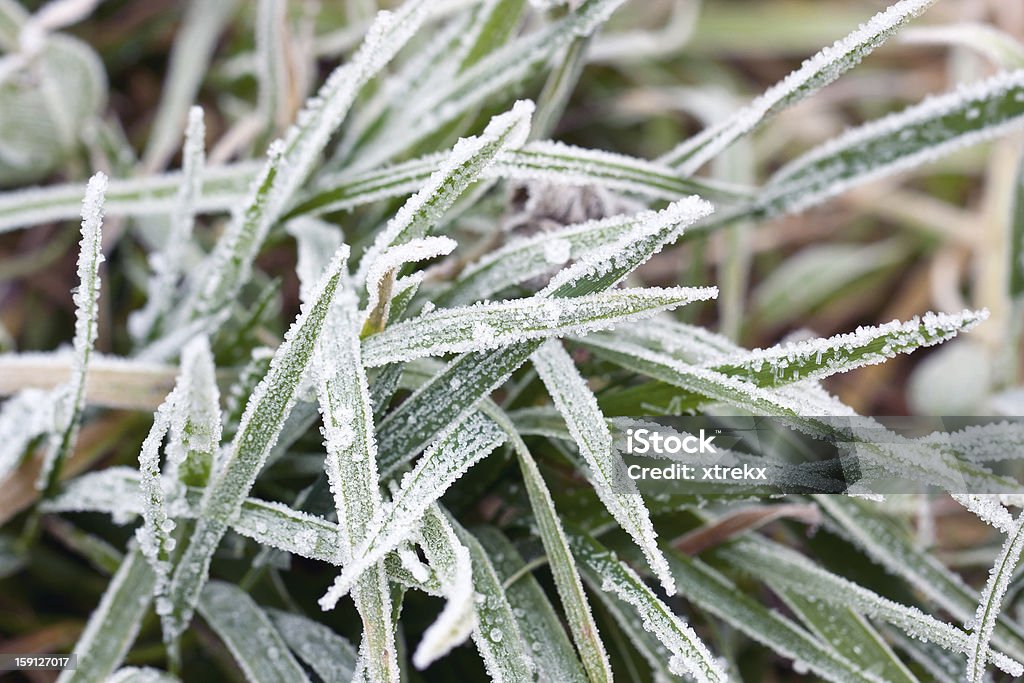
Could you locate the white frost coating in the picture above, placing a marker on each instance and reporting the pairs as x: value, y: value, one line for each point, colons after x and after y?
x: 529, y: 257
x: 674, y: 218
x: 864, y: 346
x: 169, y: 264
x: 484, y: 326
x: 689, y: 653
x: 451, y: 562
x: 195, y: 430
x: 442, y: 464
x: 578, y: 407
x: 25, y: 417
x: 991, y: 601
x: 988, y: 508
x: 291, y: 159
x: 316, y: 241
x: 154, y: 536
x: 381, y: 275
x: 779, y: 565
x: 351, y: 465
x: 830, y: 174
x: 70, y: 398
x: 330, y: 656
x: 816, y: 72
x: 463, y: 165
x: 258, y: 431
x: 131, y: 674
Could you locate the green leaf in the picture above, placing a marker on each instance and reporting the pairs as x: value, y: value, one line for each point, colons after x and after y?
x: 602, y: 568
x: 113, y: 625
x: 486, y: 326
x: 267, y: 409
x: 916, y: 135
x: 258, y: 649
x: 815, y: 73
x: 540, y: 626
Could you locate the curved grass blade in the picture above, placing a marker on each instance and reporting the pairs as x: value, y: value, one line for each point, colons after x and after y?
x: 540, y: 626
x: 814, y: 74
x: 115, y: 622
x: 486, y: 326
x: 258, y: 649
x: 602, y: 568
x: 918, y: 134
x: 264, y: 417
x: 450, y: 560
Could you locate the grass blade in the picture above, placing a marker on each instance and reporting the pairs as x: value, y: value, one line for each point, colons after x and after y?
x: 486, y: 326
x: 435, y: 471
x: 918, y: 134
x: 330, y: 656
x: 258, y: 649
x: 577, y: 405
x: 265, y: 415
x: 604, y: 569
x: 989, y: 607
x: 814, y: 74
x: 114, y: 623
x: 70, y: 399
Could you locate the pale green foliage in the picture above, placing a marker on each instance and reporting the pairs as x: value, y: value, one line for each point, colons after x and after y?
x: 375, y: 439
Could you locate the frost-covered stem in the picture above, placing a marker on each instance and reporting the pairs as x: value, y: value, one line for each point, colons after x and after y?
x: 991, y: 600
x: 86, y: 296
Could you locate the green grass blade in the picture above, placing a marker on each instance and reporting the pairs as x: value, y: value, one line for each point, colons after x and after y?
x: 113, y: 625
x: 814, y: 74
x: 498, y: 639
x: 330, y: 656
x: 602, y: 568
x: 850, y: 636
x: 618, y: 493
x: 258, y: 649
x: 265, y: 415
x: 890, y: 546
x: 224, y: 187
x: 784, y: 569
x: 579, y: 616
x: 921, y: 133
x: 485, y: 326
x: 70, y: 399
x: 821, y: 358
x: 540, y: 626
